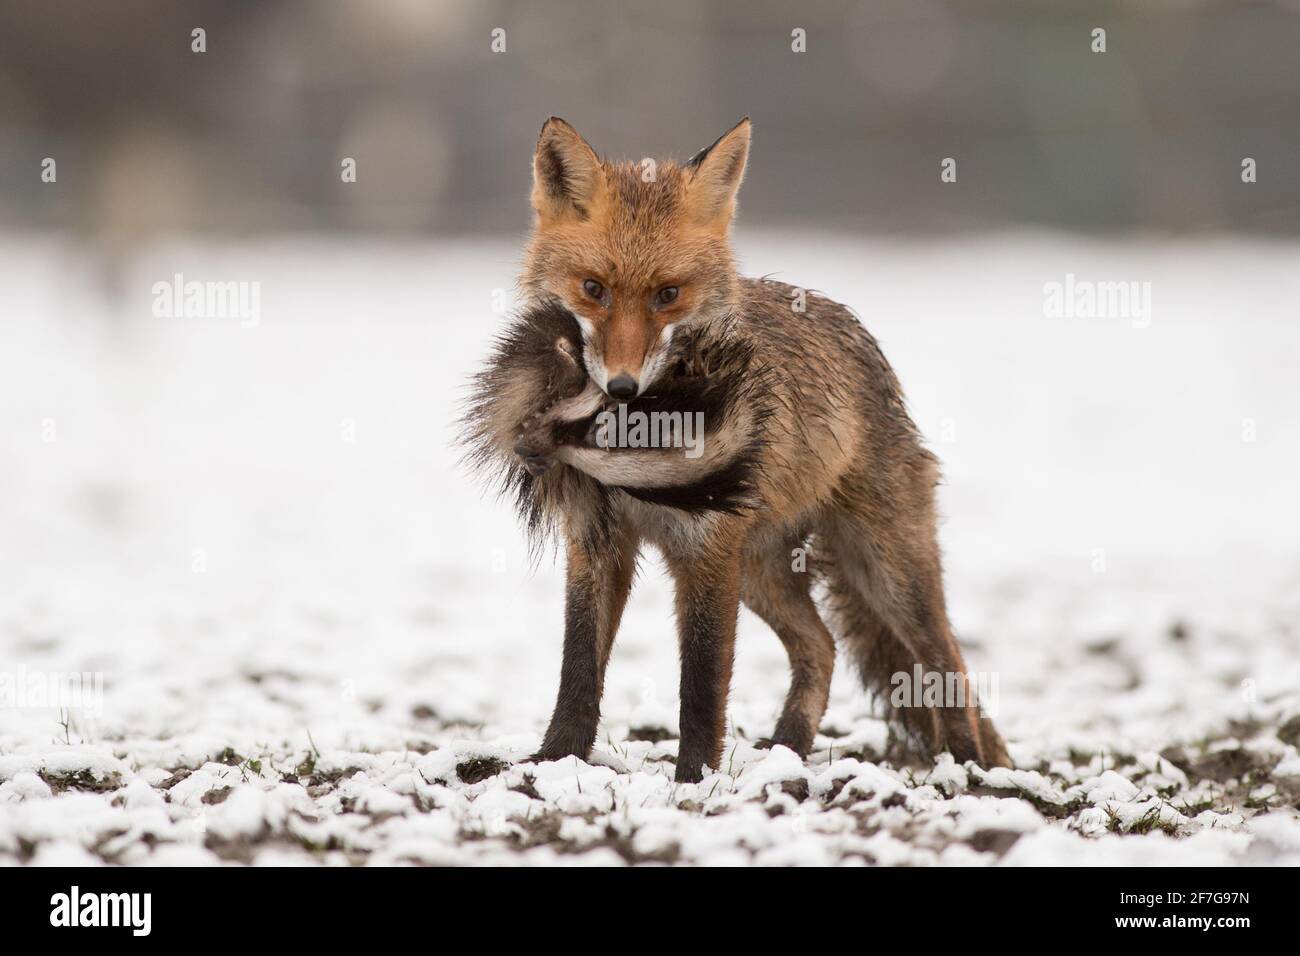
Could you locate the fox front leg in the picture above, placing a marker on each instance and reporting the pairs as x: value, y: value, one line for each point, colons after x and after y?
x: 708, y: 602
x: 598, y: 580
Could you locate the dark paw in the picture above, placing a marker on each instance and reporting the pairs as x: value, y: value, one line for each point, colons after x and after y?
x: 689, y: 770
x: 553, y: 750
x: 537, y: 465
x: 536, y: 462
x: 801, y: 745
x: 684, y: 775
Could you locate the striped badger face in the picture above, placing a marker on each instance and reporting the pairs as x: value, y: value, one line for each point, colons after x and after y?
x: 689, y: 443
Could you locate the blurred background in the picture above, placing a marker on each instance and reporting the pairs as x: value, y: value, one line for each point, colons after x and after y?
x: 247, y: 137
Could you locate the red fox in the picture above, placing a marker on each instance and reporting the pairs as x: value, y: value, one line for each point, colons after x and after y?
x: 633, y: 299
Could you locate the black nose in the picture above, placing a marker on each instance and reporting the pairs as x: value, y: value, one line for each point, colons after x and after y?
x: 622, y: 386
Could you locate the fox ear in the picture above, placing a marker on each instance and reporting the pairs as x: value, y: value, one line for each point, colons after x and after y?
x: 716, y: 172
x: 566, y: 172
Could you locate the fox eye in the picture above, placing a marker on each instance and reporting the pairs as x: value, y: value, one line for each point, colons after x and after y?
x: 667, y: 295
x: 593, y: 289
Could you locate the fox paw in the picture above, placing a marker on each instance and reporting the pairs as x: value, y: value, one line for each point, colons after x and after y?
x: 801, y: 747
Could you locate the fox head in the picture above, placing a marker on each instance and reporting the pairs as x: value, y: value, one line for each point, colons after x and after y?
x: 636, y: 251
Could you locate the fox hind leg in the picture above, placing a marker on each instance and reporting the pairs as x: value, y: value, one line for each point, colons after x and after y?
x: 781, y: 597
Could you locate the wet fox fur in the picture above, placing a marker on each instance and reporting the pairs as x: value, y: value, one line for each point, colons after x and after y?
x: 632, y: 296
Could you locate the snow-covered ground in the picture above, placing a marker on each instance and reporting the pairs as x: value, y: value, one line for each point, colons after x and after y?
x: 319, y: 642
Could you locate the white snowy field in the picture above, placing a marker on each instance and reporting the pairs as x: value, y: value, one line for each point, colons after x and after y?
x: 320, y: 642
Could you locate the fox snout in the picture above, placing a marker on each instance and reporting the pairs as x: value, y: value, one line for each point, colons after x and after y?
x: 626, y: 378
x: 622, y: 385
x: 630, y: 355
